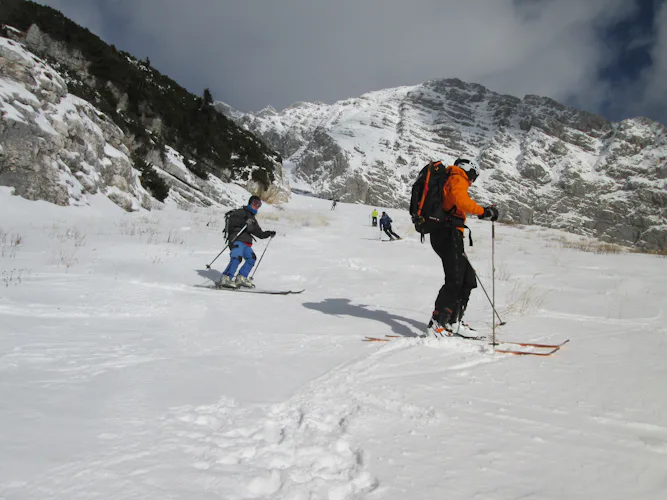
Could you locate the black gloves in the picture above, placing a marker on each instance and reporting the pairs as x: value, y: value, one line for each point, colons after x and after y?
x: 490, y: 212
x: 270, y: 234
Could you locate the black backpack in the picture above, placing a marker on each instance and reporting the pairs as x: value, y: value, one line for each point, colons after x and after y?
x: 225, y: 230
x: 427, y: 196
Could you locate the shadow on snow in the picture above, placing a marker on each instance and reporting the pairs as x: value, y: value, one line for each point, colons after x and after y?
x: 343, y: 307
x: 210, y: 274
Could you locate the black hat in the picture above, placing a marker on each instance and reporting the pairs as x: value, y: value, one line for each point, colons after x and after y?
x: 254, y: 198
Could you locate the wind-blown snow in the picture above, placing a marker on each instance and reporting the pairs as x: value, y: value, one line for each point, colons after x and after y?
x: 119, y: 379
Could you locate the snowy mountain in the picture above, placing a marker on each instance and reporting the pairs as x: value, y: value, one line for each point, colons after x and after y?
x: 544, y: 163
x: 58, y: 147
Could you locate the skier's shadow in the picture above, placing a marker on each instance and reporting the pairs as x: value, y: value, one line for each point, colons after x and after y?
x: 343, y: 307
x: 210, y: 274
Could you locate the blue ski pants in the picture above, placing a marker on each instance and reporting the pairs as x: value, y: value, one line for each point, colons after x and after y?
x: 239, y: 252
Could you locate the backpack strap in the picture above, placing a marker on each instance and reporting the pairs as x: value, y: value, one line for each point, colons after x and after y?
x: 469, y: 234
x: 420, y: 206
x: 430, y: 167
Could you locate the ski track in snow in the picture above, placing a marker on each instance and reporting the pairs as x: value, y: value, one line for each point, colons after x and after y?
x: 122, y: 380
x: 297, y: 449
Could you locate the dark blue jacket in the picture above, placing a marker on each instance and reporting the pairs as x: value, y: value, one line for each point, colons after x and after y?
x: 385, y: 222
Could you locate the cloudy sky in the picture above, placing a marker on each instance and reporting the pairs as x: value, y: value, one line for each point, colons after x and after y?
x: 606, y: 56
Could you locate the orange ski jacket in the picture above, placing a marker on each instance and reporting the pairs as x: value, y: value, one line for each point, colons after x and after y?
x: 456, y: 197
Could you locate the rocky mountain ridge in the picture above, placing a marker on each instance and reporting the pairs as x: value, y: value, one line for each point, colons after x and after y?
x: 65, y: 95
x: 57, y: 147
x: 543, y: 163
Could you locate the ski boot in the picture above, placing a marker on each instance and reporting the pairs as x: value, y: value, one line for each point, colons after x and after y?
x: 243, y: 281
x: 439, y: 325
x: 226, y: 282
x: 464, y: 329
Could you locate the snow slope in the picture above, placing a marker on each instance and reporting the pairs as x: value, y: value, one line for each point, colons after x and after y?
x: 121, y: 380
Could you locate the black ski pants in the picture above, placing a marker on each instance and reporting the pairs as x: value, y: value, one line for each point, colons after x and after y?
x: 459, y: 274
x: 388, y: 231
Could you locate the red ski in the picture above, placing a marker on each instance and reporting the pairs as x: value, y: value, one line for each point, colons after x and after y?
x: 552, y: 348
x: 528, y: 353
x: 528, y: 344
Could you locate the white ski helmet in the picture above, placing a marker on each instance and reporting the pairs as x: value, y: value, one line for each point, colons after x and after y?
x: 470, y: 167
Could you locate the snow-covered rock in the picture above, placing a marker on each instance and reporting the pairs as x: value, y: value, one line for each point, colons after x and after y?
x: 543, y: 162
x: 57, y: 147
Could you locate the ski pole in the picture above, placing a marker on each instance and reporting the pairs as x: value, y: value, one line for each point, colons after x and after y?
x: 485, y: 293
x: 493, y: 281
x: 260, y: 258
x: 208, y: 266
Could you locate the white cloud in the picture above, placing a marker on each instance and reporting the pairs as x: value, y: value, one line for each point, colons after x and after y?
x: 253, y: 54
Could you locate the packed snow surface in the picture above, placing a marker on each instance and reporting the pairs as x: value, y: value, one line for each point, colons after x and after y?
x: 121, y: 380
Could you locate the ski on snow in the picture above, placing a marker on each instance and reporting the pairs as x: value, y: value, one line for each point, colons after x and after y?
x: 388, y: 338
x: 252, y: 290
x: 544, y: 346
x: 551, y: 348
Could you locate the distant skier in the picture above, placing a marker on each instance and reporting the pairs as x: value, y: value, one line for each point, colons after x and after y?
x: 333, y: 205
x: 447, y: 241
x: 385, y: 225
x: 374, y: 218
x: 241, y: 248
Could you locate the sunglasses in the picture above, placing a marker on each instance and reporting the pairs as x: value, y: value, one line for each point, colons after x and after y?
x: 256, y: 203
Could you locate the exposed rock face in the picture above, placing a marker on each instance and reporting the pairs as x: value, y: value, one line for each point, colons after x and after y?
x: 543, y: 162
x: 278, y: 192
x: 57, y: 147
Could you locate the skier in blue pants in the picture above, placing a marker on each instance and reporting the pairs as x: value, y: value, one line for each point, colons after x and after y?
x: 241, y: 248
x: 240, y: 251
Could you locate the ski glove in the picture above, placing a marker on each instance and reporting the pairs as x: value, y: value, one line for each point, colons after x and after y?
x: 490, y: 212
x: 270, y: 234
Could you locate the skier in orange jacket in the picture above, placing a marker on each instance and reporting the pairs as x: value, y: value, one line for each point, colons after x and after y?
x: 452, y: 300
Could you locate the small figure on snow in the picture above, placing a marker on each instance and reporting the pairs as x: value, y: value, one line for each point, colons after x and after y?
x: 447, y: 241
x: 374, y: 217
x: 241, y: 228
x: 333, y: 205
x: 385, y: 225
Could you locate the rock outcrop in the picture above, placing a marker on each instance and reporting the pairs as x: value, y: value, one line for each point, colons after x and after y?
x: 57, y: 147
